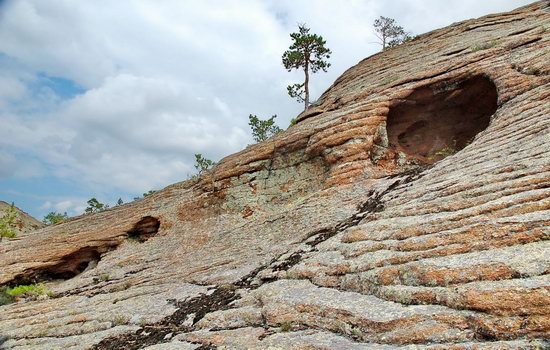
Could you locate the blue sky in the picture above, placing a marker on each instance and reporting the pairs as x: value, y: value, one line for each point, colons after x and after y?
x: 110, y: 99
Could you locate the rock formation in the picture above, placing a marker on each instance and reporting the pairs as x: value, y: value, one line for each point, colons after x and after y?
x: 409, y: 208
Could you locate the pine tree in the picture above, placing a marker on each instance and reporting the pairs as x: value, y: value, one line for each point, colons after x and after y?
x: 307, y: 52
x: 389, y: 33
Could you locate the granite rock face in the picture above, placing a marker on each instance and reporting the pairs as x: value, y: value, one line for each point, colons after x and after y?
x: 409, y: 208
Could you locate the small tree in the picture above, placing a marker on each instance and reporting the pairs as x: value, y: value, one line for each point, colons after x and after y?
x: 307, y: 52
x: 119, y: 202
x: 388, y: 32
x: 8, y: 223
x: 55, y: 218
x: 202, y: 164
x: 263, y: 129
x: 95, y: 206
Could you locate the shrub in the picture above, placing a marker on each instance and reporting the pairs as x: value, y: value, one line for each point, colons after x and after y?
x: 203, y: 164
x: 54, y: 218
x: 263, y: 129
x: 31, y: 291
x: 8, y: 223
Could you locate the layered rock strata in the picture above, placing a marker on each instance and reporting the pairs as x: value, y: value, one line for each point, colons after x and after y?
x: 409, y: 208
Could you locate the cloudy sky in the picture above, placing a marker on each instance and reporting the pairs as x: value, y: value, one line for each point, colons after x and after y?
x: 109, y: 99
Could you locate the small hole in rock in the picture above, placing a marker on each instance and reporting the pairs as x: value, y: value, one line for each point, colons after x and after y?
x: 439, y: 120
x: 144, y: 229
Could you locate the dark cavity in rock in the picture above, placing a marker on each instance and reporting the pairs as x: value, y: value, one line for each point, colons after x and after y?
x: 144, y: 229
x: 438, y: 120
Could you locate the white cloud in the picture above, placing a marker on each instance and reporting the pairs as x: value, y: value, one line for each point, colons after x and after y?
x: 166, y: 79
x: 71, y: 206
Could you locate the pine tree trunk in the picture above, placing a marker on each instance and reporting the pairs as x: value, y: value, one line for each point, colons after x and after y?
x: 306, y: 87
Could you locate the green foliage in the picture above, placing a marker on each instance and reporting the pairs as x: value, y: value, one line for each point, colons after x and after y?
x: 119, y: 202
x: 297, y: 92
x: 104, y: 277
x: 263, y: 129
x: 306, y: 50
x: 389, y: 33
x: 95, y: 206
x: 8, y: 223
x: 203, y: 164
x: 308, y: 53
x: 405, y: 38
x: 54, y: 218
x: 30, y: 290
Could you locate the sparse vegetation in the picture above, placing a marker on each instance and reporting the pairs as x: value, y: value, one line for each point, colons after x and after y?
x: 263, y: 129
x: 120, y: 319
x: 8, y: 223
x: 203, y: 164
x: 95, y: 206
x: 53, y: 218
x: 5, y: 298
x: 307, y: 52
x: 484, y: 46
x: 145, y: 194
x: 388, y: 80
x: 356, y: 333
x: 286, y: 326
x: 292, y: 122
x: 119, y: 202
x: 104, y: 277
x: 32, y: 291
x: 532, y: 71
x: 443, y: 153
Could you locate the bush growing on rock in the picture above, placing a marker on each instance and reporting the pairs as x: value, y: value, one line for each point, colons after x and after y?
x: 203, y: 164
x: 53, y: 218
x: 263, y: 129
x: 8, y: 223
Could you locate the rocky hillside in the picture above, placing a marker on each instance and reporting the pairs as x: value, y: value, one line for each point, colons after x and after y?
x: 24, y: 222
x: 408, y: 209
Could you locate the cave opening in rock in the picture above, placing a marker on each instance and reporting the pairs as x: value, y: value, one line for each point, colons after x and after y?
x: 144, y: 229
x: 74, y: 264
x: 438, y: 120
x: 69, y: 266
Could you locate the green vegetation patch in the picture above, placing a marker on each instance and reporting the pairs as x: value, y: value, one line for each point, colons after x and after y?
x: 32, y: 291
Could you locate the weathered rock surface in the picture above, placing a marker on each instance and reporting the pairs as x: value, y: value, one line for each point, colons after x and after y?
x: 370, y: 224
x: 24, y: 222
